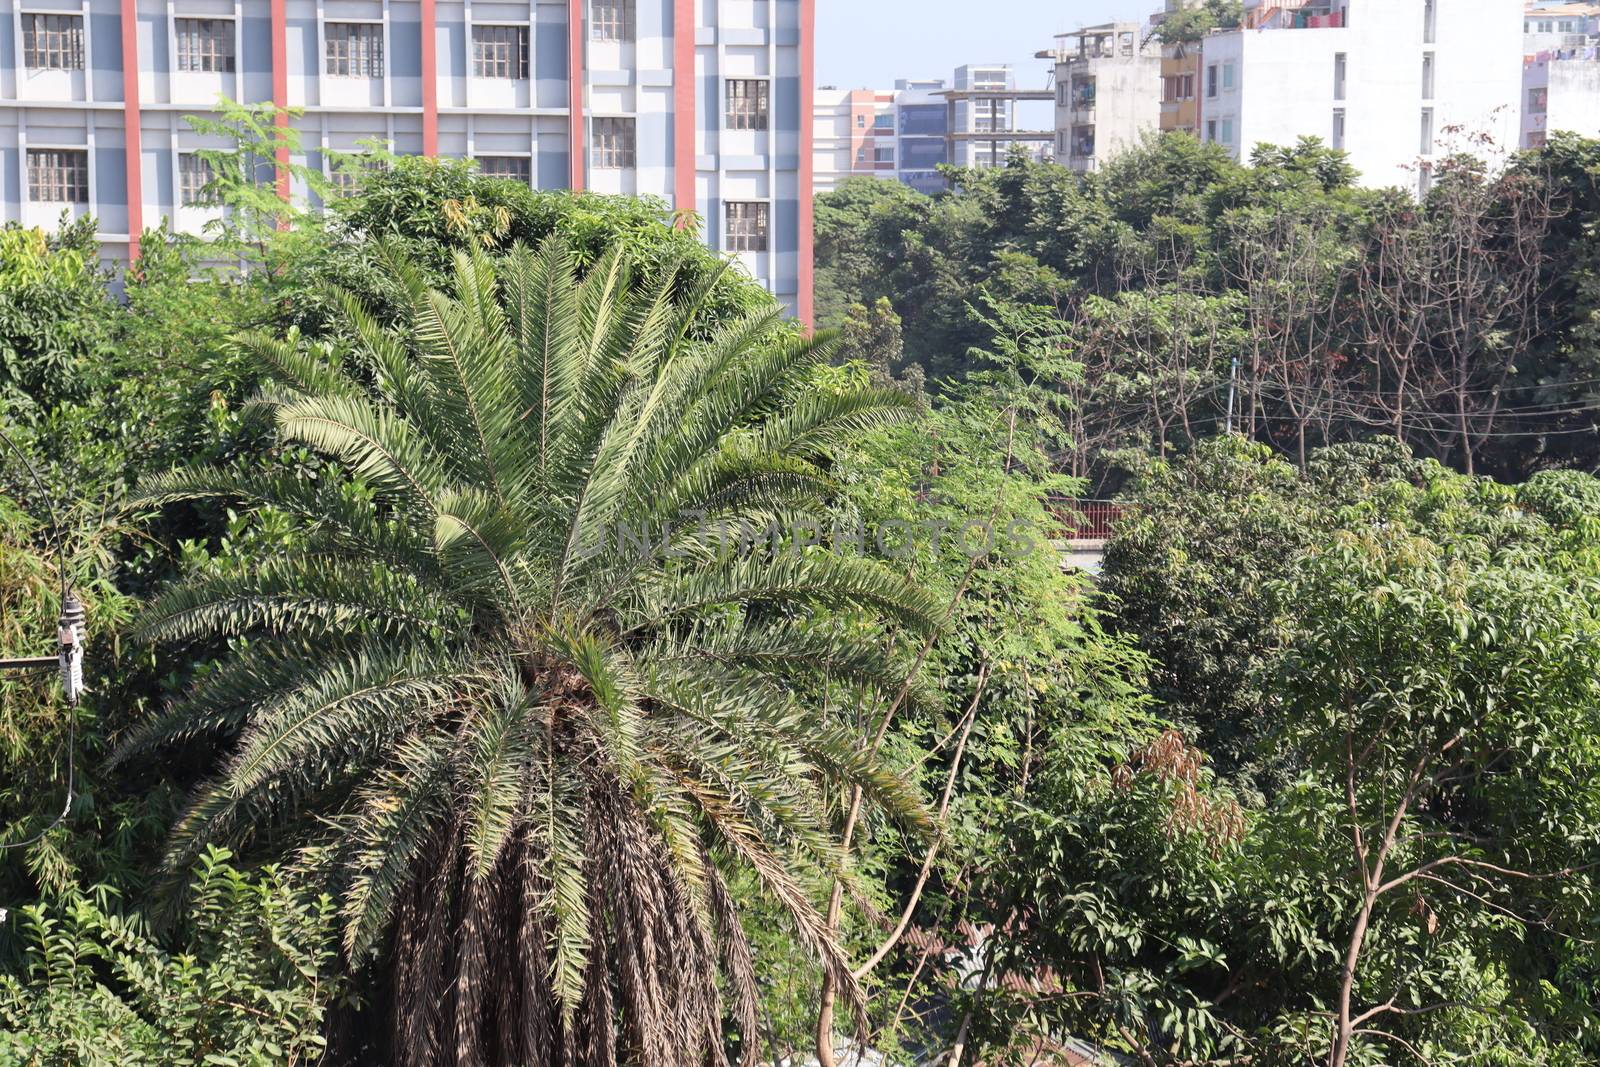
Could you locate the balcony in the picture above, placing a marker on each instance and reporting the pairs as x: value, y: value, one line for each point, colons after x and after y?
x: 1297, y: 15
x: 1081, y: 100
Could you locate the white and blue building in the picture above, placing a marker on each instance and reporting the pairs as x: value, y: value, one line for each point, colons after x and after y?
x: 704, y: 104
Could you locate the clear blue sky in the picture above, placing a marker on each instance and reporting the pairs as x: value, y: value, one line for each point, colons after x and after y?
x: 864, y: 44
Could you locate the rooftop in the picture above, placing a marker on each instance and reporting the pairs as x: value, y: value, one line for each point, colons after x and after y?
x: 1559, y: 10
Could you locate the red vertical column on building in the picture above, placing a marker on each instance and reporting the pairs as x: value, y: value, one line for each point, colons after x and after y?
x: 683, y: 109
x: 280, y: 89
x: 808, y: 58
x: 430, y: 79
x: 130, y: 125
x: 576, y: 141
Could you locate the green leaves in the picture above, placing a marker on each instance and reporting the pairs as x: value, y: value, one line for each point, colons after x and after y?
x: 479, y: 688
x: 251, y: 989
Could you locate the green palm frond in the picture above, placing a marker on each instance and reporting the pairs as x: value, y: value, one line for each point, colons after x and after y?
x: 509, y: 734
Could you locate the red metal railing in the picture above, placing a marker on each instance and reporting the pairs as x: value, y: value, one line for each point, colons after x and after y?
x: 1086, y: 520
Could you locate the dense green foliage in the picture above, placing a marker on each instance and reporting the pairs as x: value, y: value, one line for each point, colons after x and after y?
x: 251, y: 987
x: 1419, y: 664
x: 521, y: 645
x: 1194, y: 291
x: 423, y: 517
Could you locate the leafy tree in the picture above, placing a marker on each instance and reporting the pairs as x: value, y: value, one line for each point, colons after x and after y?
x: 55, y: 316
x: 872, y: 336
x: 1192, y: 21
x: 1191, y: 564
x: 426, y: 210
x: 253, y: 179
x: 248, y: 987
x: 38, y: 728
x: 1444, y: 681
x: 1024, y: 667
x: 531, y: 703
x: 1419, y: 886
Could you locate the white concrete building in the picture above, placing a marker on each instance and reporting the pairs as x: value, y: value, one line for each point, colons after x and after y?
x: 1108, y: 92
x: 1552, y: 26
x: 1561, y: 94
x: 908, y: 132
x: 902, y: 134
x: 1395, y: 83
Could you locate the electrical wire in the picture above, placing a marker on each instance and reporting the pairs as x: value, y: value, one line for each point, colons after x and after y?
x: 72, y: 711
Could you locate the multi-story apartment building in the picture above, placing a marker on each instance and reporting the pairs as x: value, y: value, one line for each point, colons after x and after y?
x: 908, y: 132
x: 1560, y: 71
x: 1108, y: 92
x: 1561, y: 94
x: 983, y: 107
x: 1548, y: 26
x: 1180, y: 88
x: 853, y: 133
x: 901, y: 133
x: 700, y: 103
x: 1180, y: 76
x: 1394, y: 83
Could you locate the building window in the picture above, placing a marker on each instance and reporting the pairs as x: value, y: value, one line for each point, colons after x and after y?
x: 500, y: 52
x: 1427, y: 75
x: 611, y: 20
x: 205, y: 46
x: 1178, y: 87
x: 747, y: 104
x: 1424, y: 180
x: 861, y: 122
x: 517, y: 168
x: 348, y: 173
x: 1083, y: 141
x: 52, y: 42
x: 355, y: 49
x: 194, y: 178
x: 1211, y: 130
x: 883, y: 158
x: 1211, y: 80
x: 1227, y: 131
x: 1227, y: 75
x: 1338, y: 128
x: 1427, y: 131
x: 613, y: 143
x: 1539, y: 100
x: 746, y: 226
x: 1537, y: 139
x: 1340, y: 69
x: 1430, y: 21
x: 883, y: 123
x: 58, y: 175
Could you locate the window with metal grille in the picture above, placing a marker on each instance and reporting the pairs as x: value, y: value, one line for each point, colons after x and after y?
x: 500, y: 52
x: 613, y: 143
x: 518, y: 168
x: 194, y: 174
x: 747, y: 103
x: 58, y: 175
x: 611, y: 20
x: 355, y: 49
x: 347, y: 175
x: 204, y: 45
x: 746, y: 226
x: 52, y: 42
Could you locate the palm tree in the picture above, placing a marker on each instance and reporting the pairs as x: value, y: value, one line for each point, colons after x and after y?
x: 524, y: 742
